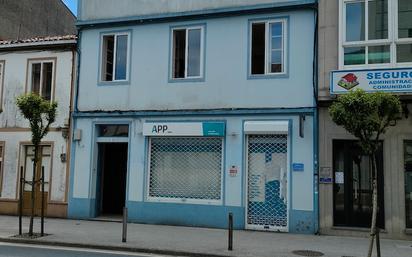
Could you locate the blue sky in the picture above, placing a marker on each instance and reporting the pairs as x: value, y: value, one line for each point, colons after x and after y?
x: 72, y: 4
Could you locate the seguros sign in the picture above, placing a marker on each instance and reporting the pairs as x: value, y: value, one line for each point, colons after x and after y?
x: 388, y: 80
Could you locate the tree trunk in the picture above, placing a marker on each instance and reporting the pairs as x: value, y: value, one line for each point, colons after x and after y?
x: 33, y: 186
x: 375, y: 204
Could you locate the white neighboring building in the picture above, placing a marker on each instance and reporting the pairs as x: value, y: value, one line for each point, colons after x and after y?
x: 46, y: 66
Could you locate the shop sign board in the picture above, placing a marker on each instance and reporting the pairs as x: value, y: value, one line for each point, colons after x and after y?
x: 184, y: 129
x: 325, y: 175
x: 387, y: 80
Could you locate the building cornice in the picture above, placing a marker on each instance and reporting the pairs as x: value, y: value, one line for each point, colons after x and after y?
x: 200, y: 14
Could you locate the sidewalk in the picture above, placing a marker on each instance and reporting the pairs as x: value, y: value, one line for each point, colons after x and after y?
x: 194, y: 241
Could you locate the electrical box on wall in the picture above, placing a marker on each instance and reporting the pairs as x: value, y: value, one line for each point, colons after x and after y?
x: 77, y: 135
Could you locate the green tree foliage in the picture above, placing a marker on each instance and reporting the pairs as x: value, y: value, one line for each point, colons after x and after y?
x: 367, y: 116
x: 41, y: 114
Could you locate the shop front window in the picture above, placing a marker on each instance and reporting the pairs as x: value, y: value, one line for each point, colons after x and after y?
x: 185, y: 169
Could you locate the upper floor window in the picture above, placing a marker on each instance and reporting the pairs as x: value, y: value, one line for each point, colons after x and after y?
x: 268, y: 47
x: 115, y: 56
x: 376, y: 32
x: 41, y: 77
x: 187, y: 52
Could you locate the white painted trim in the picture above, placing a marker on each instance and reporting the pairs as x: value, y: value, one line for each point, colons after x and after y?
x: 115, y: 35
x: 393, y: 37
x: 266, y: 127
x: 268, y: 44
x: 202, y: 35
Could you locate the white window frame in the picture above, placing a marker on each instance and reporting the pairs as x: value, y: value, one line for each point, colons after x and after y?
x: 103, y: 72
x: 392, y: 40
x: 268, y: 48
x: 202, y: 48
x: 184, y: 200
x: 30, y: 74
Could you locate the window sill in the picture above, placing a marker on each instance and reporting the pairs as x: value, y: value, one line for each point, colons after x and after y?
x: 382, y: 66
x: 268, y: 76
x: 408, y: 231
x: 113, y: 83
x: 187, y: 80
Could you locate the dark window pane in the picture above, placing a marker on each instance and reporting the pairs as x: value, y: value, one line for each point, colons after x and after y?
x: 107, y: 58
x: 194, y: 46
x: 35, y: 77
x: 113, y: 130
x: 404, y: 18
x: 379, y: 54
x: 179, y: 53
x: 46, y: 89
x: 121, y: 57
x: 355, y: 21
x: 258, y: 48
x: 354, y: 55
x: 408, y: 183
x: 378, y: 19
x: 404, y: 53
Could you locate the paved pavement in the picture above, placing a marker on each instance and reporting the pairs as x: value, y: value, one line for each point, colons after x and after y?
x: 24, y: 250
x: 195, y: 241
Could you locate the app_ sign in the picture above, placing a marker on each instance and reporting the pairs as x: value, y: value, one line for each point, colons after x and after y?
x: 184, y: 129
x: 388, y: 80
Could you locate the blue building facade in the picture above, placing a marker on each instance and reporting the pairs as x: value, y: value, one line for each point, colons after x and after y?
x: 186, y: 112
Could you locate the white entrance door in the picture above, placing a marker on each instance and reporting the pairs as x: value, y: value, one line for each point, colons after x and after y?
x: 267, y: 182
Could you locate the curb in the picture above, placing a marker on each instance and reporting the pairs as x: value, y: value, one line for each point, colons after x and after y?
x: 110, y: 248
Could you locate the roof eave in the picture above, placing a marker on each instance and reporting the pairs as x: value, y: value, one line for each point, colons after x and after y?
x: 37, y: 45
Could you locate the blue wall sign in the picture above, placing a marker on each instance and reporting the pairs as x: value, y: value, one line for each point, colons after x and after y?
x: 298, y: 167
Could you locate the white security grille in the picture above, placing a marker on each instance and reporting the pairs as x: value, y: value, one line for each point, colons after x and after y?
x: 267, y: 182
x: 186, y: 168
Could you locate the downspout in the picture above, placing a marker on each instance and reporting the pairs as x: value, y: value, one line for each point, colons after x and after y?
x: 79, y: 40
x: 73, y: 123
x: 316, y: 123
x: 69, y: 136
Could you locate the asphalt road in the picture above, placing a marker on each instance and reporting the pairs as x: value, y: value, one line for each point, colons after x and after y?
x: 24, y: 250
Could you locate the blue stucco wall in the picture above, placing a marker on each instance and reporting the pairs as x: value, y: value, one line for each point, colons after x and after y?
x: 226, y: 86
x: 226, y: 83
x: 301, y: 198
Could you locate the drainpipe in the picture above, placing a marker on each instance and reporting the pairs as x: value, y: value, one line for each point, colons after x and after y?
x: 316, y: 123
